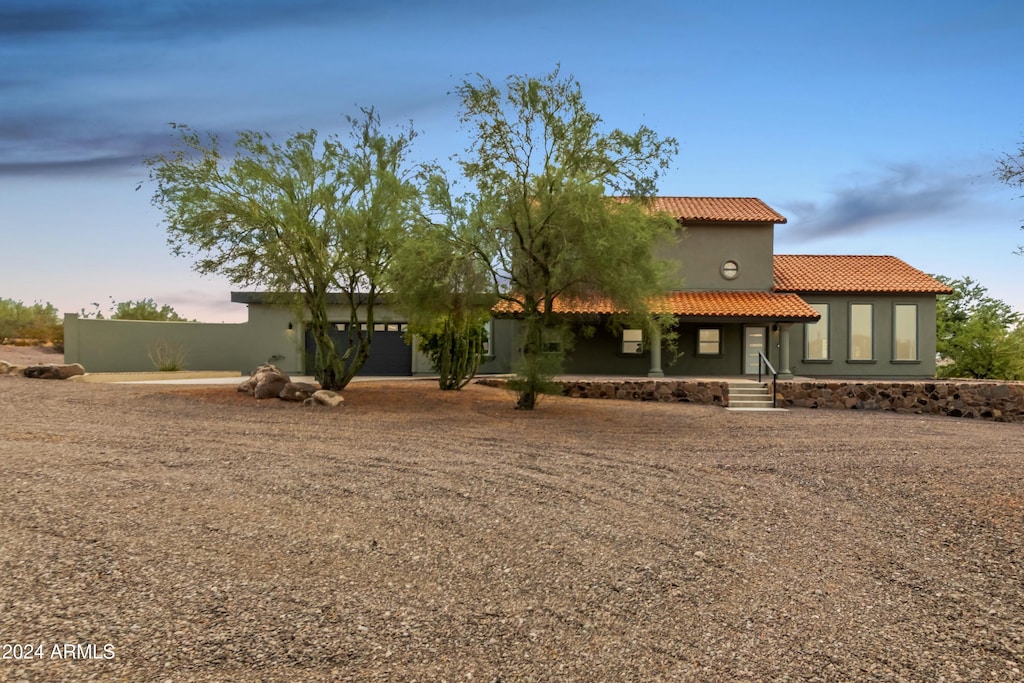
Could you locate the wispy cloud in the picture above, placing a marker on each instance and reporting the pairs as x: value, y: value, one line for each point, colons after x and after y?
x: 897, y: 193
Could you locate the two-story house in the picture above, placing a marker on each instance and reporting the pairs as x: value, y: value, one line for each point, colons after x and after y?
x: 848, y: 316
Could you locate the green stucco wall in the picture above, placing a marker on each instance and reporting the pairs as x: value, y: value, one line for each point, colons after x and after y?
x: 702, y: 250
x: 126, y: 345
x: 882, y: 365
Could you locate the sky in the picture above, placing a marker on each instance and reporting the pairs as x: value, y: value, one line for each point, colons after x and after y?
x: 874, y: 127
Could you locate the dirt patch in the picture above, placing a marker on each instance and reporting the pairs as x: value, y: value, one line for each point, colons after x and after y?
x: 31, y: 355
x: 426, y: 535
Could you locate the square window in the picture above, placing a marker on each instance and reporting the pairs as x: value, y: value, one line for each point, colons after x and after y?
x: 709, y: 341
x: 633, y: 342
x: 551, y: 341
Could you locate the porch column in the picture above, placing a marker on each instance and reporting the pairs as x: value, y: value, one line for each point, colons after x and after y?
x: 655, y: 370
x: 784, y: 371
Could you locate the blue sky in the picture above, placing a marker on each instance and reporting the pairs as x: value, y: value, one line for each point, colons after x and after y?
x: 875, y: 127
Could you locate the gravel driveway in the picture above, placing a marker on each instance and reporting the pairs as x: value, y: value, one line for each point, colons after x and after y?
x: 179, y: 533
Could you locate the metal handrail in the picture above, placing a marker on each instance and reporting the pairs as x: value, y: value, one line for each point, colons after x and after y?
x: 763, y: 361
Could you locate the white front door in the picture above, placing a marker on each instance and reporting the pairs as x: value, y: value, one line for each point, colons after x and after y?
x: 755, y: 341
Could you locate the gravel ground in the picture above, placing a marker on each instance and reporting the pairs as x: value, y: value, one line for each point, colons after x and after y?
x: 160, y: 533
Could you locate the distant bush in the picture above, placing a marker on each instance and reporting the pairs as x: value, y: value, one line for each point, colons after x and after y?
x: 26, y: 325
x: 143, y: 309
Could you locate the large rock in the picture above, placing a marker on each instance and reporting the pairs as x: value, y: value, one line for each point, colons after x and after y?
x: 53, y: 371
x: 298, y: 391
x: 270, y: 385
x: 266, y: 381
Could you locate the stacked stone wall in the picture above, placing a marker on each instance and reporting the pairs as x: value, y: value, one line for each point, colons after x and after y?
x: 1001, y: 401
x: 665, y: 390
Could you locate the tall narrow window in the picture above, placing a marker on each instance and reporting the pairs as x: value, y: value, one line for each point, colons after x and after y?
x: 816, y: 335
x: 709, y: 341
x: 861, y: 332
x: 904, y: 325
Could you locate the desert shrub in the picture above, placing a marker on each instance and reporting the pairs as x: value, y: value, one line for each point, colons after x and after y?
x: 167, y: 357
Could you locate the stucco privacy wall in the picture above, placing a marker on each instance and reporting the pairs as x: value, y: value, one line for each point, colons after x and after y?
x: 126, y: 345
x: 1001, y: 401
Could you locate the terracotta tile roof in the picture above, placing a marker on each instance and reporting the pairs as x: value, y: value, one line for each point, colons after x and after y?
x: 725, y: 304
x: 727, y: 209
x: 854, y: 274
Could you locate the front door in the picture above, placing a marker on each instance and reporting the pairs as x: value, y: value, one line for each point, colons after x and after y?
x: 755, y: 341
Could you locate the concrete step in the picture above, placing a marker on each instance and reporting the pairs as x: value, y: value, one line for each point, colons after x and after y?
x: 751, y: 397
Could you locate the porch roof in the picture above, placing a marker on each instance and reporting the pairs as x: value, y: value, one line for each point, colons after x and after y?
x: 733, y: 305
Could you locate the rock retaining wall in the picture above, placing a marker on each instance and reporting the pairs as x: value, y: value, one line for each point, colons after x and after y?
x: 1002, y: 401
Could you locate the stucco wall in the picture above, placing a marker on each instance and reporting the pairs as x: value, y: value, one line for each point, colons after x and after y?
x: 882, y: 365
x: 126, y: 345
x: 703, y: 249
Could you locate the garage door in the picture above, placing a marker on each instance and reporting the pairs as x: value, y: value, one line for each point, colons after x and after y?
x: 389, y: 354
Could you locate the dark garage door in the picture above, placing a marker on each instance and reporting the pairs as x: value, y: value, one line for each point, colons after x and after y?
x: 389, y: 354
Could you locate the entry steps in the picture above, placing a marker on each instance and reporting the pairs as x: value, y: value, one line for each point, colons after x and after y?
x: 751, y: 397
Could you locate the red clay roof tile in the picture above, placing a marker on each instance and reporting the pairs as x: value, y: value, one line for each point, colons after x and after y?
x: 724, y: 209
x: 852, y: 274
x: 720, y: 304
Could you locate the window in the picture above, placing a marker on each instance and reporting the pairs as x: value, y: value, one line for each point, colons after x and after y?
x: 709, y: 341
x: 904, y: 326
x: 861, y: 332
x: 816, y: 335
x: 488, y: 332
x: 551, y: 341
x: 730, y: 270
x: 633, y: 342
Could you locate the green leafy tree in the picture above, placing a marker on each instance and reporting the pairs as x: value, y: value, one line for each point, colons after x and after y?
x: 1011, y: 172
x: 978, y: 336
x: 145, y: 309
x: 37, y: 322
x: 303, y: 218
x: 542, y: 172
x: 443, y: 288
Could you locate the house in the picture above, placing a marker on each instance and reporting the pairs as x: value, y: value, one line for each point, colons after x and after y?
x: 812, y: 316
x: 823, y: 316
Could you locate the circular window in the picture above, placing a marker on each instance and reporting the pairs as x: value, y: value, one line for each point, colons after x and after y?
x: 730, y: 270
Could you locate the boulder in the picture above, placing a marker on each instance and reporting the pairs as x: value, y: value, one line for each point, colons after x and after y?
x: 270, y: 385
x: 54, y: 371
x: 331, y: 399
x: 272, y: 379
x: 11, y: 369
x: 298, y: 391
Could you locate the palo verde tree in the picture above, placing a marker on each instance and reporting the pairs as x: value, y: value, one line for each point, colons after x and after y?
x: 442, y: 287
x: 303, y: 219
x: 544, y: 176
x: 1011, y: 172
